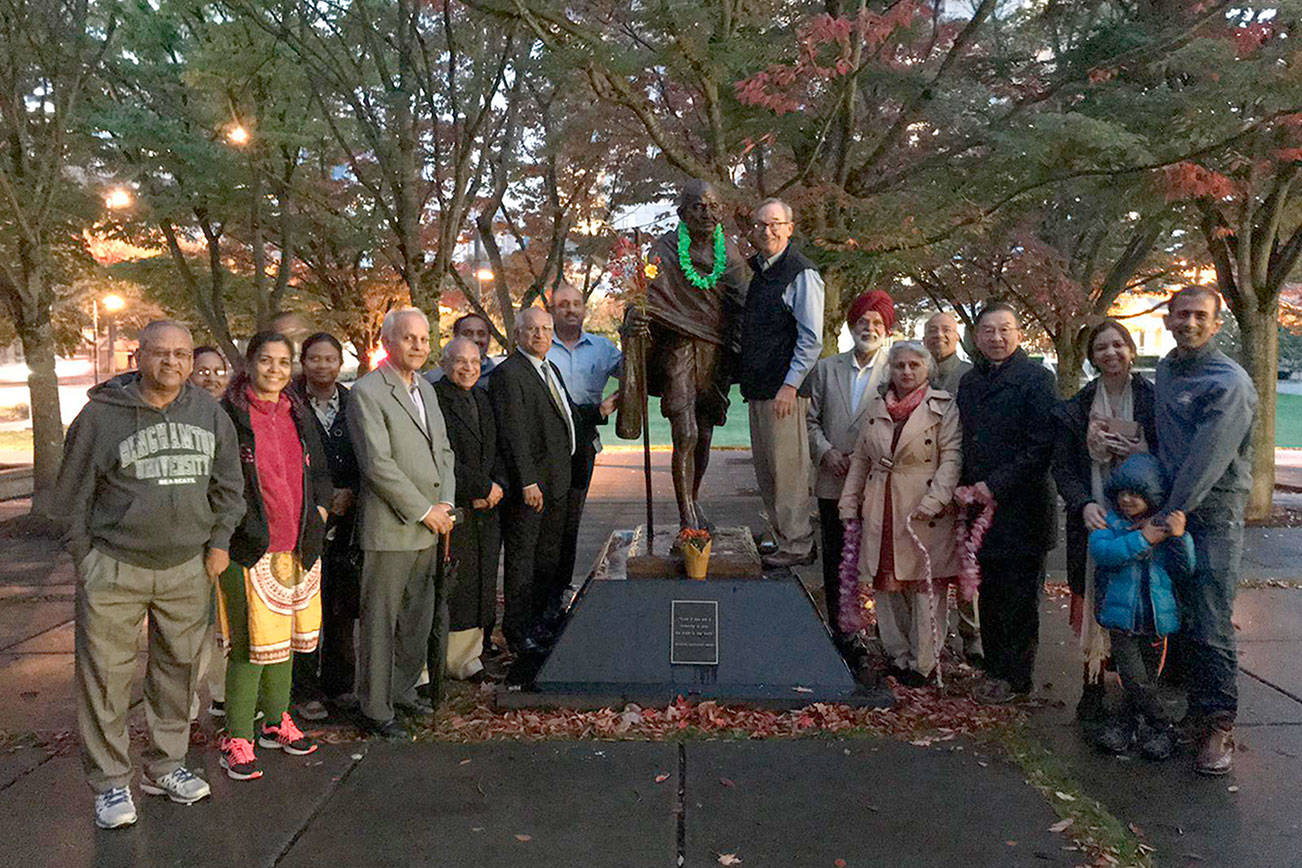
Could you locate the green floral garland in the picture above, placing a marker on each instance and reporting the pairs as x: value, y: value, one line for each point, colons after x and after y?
x: 685, y: 260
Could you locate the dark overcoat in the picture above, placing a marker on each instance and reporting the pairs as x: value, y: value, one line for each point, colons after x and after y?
x: 476, y: 541
x: 1007, y: 415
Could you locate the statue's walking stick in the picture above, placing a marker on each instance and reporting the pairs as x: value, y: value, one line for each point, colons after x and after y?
x: 646, y: 456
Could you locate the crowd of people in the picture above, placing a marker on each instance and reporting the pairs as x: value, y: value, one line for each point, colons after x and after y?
x: 1154, y: 479
x: 306, y: 549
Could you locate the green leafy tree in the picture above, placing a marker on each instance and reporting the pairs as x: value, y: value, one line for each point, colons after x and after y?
x: 50, y: 53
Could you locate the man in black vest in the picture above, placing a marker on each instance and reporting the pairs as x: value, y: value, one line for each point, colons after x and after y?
x: 1005, y: 403
x: 781, y: 339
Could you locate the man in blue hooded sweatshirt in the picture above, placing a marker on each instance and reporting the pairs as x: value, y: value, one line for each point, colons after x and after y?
x: 1204, y: 410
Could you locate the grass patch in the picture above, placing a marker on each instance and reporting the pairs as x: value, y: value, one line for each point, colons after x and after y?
x: 1288, y: 420
x: 16, y: 441
x: 1095, y: 830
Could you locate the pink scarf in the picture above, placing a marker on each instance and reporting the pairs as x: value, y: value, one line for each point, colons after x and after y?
x: 902, y: 408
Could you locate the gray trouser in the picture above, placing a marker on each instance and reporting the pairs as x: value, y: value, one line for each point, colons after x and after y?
x: 909, y: 623
x: 400, y: 592
x: 112, y: 601
x: 968, y: 624
x: 780, y: 452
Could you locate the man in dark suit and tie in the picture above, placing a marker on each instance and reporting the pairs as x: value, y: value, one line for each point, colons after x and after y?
x: 408, y: 489
x: 536, y: 424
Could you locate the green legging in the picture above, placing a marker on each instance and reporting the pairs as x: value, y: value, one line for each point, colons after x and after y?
x: 250, y: 687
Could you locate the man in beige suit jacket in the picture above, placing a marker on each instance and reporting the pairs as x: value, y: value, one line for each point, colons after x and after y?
x: 839, y: 389
x: 406, y: 501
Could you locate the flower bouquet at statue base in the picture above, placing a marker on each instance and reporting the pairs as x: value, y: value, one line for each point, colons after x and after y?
x: 695, y: 544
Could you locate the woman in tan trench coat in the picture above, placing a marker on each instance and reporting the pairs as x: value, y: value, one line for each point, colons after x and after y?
x: 903, y: 474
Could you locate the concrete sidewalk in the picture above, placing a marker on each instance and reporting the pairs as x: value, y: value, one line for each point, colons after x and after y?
x: 770, y: 803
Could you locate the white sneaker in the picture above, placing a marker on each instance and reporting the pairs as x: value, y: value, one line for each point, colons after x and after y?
x: 179, y: 785
x: 114, y: 809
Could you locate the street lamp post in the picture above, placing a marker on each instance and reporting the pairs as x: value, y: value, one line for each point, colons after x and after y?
x: 94, y: 339
x: 112, y: 304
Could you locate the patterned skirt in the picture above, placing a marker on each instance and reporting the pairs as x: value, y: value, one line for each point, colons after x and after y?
x: 284, y: 608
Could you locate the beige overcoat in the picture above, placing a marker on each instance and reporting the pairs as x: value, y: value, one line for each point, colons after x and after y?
x: 923, y: 473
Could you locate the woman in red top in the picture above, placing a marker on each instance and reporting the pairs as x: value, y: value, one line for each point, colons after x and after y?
x: 269, y: 605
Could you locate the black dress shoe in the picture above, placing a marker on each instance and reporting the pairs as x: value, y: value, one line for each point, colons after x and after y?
x: 389, y: 730
x: 419, y: 706
x: 530, y: 648
x: 787, y: 559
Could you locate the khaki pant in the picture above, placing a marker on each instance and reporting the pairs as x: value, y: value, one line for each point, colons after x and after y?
x: 909, y: 623
x: 112, y: 601
x: 780, y: 452
x: 210, y: 667
x: 464, y: 648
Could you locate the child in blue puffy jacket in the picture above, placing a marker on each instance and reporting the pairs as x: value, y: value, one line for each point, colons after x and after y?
x: 1137, y: 559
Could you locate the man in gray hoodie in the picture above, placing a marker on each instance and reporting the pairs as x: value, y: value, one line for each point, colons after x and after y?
x: 1204, y: 411
x: 152, y: 484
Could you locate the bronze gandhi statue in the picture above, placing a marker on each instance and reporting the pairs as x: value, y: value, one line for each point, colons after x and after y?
x: 693, y: 333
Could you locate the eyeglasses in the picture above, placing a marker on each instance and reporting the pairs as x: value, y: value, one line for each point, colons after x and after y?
x: 210, y: 372
x: 772, y: 225
x: 180, y: 355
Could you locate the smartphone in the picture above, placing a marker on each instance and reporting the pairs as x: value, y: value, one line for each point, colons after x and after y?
x: 1122, y: 428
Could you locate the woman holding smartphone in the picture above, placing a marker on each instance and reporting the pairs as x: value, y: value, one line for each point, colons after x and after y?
x: 1102, y: 425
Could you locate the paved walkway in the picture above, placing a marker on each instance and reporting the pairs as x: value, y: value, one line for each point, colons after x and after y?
x: 771, y: 803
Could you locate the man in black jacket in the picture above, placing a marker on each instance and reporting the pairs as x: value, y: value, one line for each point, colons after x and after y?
x: 1005, y: 403
x: 537, y: 427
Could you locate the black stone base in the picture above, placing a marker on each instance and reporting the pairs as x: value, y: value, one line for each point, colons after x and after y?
x: 615, y: 648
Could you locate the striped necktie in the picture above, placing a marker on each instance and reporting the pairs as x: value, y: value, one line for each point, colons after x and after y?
x: 559, y: 400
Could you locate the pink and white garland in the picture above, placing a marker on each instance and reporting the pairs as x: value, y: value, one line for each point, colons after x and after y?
x: 936, y: 636
x: 970, y: 534
x: 849, y: 606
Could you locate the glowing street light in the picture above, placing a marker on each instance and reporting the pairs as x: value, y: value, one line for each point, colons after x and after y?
x: 237, y: 134
x: 118, y: 198
x: 114, y: 303
x: 484, y: 274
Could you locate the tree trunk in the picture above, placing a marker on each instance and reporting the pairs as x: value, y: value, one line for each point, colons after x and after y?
x: 833, y: 313
x: 1259, y: 331
x: 1071, y: 363
x: 37, y: 337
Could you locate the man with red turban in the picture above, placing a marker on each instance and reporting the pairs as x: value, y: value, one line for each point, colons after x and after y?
x: 839, y: 388
x: 874, y: 300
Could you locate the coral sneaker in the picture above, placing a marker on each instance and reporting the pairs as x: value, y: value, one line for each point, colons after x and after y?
x: 287, y: 737
x: 238, y: 759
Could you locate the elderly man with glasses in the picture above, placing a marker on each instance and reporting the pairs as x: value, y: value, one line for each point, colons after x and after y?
x: 781, y: 339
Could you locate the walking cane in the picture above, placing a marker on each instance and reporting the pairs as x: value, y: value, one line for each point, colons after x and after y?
x: 646, y: 459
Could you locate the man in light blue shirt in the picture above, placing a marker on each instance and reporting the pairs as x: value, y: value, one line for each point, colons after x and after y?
x: 586, y: 362
x: 781, y: 339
